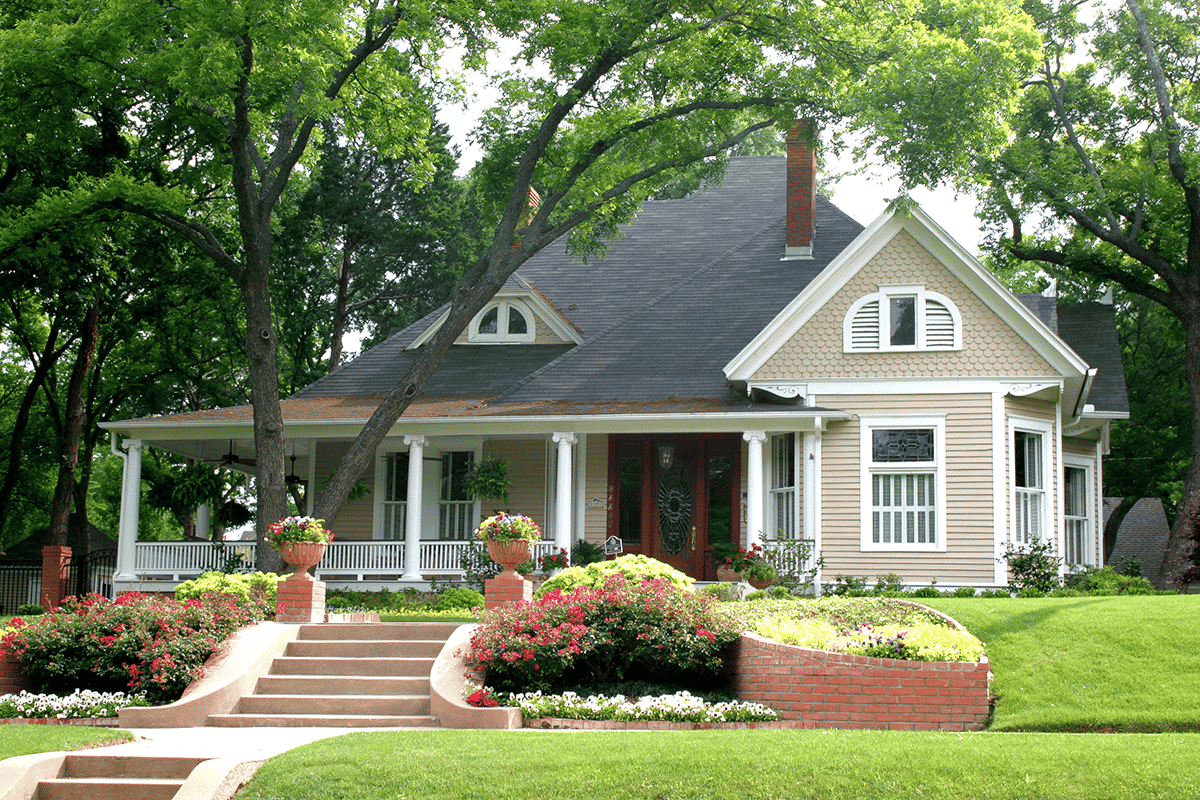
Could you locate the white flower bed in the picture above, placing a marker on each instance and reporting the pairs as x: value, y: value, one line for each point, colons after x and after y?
x: 80, y: 704
x: 678, y: 707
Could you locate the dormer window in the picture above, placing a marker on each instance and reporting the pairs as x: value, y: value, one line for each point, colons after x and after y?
x: 504, y: 321
x: 902, y: 318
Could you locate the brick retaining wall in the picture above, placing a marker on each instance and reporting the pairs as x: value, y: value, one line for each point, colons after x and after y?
x: 816, y: 689
x: 12, y: 677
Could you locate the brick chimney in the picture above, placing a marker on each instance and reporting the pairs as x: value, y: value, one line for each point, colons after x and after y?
x: 801, y: 190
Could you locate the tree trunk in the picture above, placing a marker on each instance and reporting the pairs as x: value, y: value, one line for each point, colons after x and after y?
x: 338, y: 328
x: 1179, y: 546
x: 44, y: 365
x: 75, y: 415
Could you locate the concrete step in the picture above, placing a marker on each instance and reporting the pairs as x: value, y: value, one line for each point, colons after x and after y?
x: 108, y: 789
x: 320, y: 721
x: 370, y: 648
x: 400, y: 706
x: 352, y: 666
x: 379, y: 630
x: 342, y: 684
x: 102, y: 765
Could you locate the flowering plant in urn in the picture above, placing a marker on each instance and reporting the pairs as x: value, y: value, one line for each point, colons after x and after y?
x: 298, y: 529
x: 508, y: 528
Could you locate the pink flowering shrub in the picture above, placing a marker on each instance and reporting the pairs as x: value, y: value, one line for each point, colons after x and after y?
x: 625, y: 631
x: 138, y: 643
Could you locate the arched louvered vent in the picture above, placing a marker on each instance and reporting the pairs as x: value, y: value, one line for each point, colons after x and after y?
x: 864, y: 328
x: 939, y: 326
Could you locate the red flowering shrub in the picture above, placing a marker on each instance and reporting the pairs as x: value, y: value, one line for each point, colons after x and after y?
x: 138, y: 643
x: 624, y: 631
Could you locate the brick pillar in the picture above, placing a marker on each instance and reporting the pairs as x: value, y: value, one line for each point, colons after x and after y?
x: 300, y: 599
x: 507, y: 587
x: 56, y: 562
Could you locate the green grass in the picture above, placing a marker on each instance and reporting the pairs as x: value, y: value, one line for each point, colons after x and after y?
x: 21, y: 740
x: 698, y: 765
x: 1089, y: 663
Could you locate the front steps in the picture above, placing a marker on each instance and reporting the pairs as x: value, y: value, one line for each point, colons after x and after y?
x: 347, y: 675
x: 95, y: 776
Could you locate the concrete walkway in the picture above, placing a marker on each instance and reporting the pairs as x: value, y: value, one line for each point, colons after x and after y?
x: 242, y: 744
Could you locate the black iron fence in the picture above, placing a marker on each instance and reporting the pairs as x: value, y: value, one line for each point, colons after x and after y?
x: 21, y: 578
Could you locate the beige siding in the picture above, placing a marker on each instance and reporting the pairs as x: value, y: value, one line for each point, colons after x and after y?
x: 1080, y: 447
x: 990, y: 346
x: 595, y: 515
x: 526, y: 460
x: 354, y: 521
x: 968, y: 557
x: 1029, y: 407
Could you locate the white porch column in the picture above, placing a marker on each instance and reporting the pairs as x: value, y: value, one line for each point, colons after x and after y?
x: 203, y: 520
x: 131, y: 499
x: 754, y: 486
x: 412, y: 510
x: 562, y: 495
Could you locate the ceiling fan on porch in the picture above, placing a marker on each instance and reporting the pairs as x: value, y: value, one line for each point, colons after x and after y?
x: 292, y: 479
x: 231, y: 458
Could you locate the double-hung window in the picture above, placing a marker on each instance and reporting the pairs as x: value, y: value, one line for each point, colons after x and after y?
x: 1077, y: 531
x: 456, y: 509
x: 395, y: 497
x: 903, y: 483
x: 1029, y: 471
x: 783, y: 487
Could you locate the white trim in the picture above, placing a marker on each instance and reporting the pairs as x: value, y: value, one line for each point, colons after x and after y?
x: 1045, y: 429
x: 945, y: 250
x: 1095, y: 529
x: 503, y: 308
x: 533, y: 302
x: 867, y: 469
x: 882, y: 299
x: 910, y: 386
x: 812, y: 496
x: 1000, y: 509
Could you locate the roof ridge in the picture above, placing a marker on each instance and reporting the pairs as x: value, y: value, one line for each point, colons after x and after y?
x: 587, y: 345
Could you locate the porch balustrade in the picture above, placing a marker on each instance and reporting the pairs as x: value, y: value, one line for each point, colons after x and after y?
x: 345, y: 561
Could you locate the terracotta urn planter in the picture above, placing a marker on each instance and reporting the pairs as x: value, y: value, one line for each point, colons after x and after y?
x: 302, y: 556
x: 509, y: 555
x: 727, y: 574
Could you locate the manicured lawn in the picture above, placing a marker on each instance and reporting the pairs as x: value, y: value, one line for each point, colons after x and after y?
x: 21, y: 740
x: 1089, y: 663
x: 687, y: 765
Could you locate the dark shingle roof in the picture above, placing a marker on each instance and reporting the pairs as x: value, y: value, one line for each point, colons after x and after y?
x: 1143, y: 536
x: 1091, y: 331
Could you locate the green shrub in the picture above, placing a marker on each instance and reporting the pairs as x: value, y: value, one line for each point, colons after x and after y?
x: 757, y: 594
x: 584, y: 553
x: 995, y: 593
x: 145, y: 643
x: 458, y: 598
x: 725, y: 592
x: 627, y: 630
x: 964, y: 591
x: 1033, y: 567
x: 30, y: 610
x: 779, y: 592
x: 241, y: 585
x: 1106, y: 580
x: 847, y: 585
x: 927, y: 591
x: 635, y: 568
x: 889, y: 582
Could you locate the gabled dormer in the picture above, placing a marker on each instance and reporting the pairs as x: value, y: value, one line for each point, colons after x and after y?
x: 518, y: 314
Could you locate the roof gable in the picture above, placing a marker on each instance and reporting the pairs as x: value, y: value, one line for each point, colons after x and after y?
x: 918, y: 227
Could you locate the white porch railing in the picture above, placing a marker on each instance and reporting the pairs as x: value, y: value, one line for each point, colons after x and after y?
x: 344, y: 561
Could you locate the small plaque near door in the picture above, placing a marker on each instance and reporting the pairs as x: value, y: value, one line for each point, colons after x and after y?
x: 613, y: 546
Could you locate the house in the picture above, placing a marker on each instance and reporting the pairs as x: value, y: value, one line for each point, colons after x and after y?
x: 1142, y: 537
x: 745, y: 364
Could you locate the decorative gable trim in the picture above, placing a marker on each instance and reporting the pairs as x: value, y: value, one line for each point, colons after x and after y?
x: 529, y: 300
x: 937, y: 324
x: 944, y: 249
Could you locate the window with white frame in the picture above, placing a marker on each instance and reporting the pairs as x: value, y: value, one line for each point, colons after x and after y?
x: 903, y: 483
x: 503, y: 322
x: 902, y: 318
x: 395, y: 496
x: 783, y: 487
x: 456, y: 509
x: 1077, y: 516
x: 1029, y: 487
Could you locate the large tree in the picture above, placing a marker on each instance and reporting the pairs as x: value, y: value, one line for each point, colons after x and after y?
x: 1103, y: 173
x: 603, y: 106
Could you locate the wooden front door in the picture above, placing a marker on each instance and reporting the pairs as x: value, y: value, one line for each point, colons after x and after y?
x: 672, y: 497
